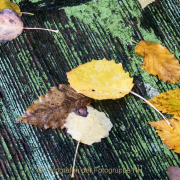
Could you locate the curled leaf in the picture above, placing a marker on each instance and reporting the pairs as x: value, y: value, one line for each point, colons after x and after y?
x: 159, y: 61
x: 101, y: 79
x: 6, y: 4
x: 11, y: 25
x: 52, y: 109
x: 88, y: 129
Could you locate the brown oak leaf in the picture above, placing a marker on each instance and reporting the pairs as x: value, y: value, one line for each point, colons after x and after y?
x: 52, y: 109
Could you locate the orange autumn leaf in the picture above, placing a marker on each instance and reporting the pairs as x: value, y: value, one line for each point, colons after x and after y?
x: 168, y: 102
x: 169, y: 136
x: 159, y: 61
x: 101, y: 79
x: 52, y: 109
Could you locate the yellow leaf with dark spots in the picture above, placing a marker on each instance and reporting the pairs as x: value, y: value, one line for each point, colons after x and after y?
x: 168, y: 102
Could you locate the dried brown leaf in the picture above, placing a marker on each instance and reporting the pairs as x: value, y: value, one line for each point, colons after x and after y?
x: 52, y: 109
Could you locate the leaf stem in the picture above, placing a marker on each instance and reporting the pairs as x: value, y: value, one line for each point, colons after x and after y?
x: 152, y: 107
x: 32, y: 14
x: 133, y: 41
x: 72, y: 175
x: 56, y: 31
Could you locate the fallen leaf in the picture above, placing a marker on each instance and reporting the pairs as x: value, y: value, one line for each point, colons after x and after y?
x: 6, y: 4
x: 52, y: 109
x: 11, y: 25
x: 173, y: 173
x: 168, y: 102
x: 88, y: 129
x: 169, y: 136
x: 144, y: 3
x: 101, y: 79
x: 159, y: 61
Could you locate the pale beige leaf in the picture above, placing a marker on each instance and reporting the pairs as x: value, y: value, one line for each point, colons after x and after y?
x: 88, y: 129
x: 144, y: 3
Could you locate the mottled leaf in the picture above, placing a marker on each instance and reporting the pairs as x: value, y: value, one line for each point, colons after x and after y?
x: 11, y: 25
x: 52, y: 109
x: 168, y: 102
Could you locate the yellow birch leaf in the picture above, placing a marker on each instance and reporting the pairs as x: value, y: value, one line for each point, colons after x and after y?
x: 169, y: 136
x: 6, y: 4
x: 144, y: 3
x: 168, y: 102
x: 101, y: 79
x: 159, y: 61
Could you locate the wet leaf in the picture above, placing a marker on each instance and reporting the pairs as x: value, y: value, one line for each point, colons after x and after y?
x: 52, y: 109
x: 11, y: 25
x: 159, y: 61
x: 101, y: 79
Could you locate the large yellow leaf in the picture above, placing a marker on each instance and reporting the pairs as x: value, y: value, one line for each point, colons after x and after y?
x: 144, y: 3
x: 170, y: 136
x: 168, y: 102
x: 159, y: 61
x: 6, y: 4
x: 101, y: 79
